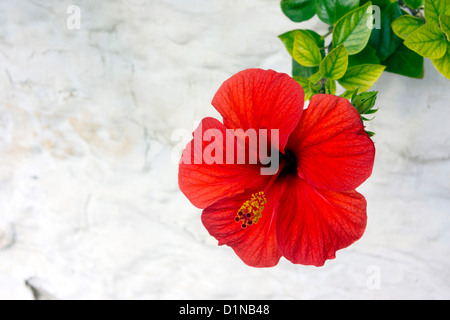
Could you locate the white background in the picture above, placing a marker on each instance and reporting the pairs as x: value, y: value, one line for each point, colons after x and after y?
x: 89, y: 203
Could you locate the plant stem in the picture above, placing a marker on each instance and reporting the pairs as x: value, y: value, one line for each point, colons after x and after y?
x: 322, y: 82
x: 329, y: 32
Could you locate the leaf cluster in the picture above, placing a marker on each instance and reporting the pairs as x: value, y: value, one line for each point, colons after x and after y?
x: 343, y: 56
x: 426, y: 31
x: 365, y: 39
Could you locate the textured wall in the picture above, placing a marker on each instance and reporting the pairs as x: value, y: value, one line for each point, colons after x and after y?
x: 89, y: 201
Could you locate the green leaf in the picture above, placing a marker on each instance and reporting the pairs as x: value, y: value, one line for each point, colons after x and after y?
x: 301, y: 71
x: 443, y: 64
x: 330, y: 87
x: 288, y: 39
x: 405, y: 62
x: 383, y: 39
x: 335, y: 64
x: 435, y: 8
x: 298, y: 10
x: 330, y: 11
x: 353, y: 30
x: 361, y: 77
x: 316, y: 37
x: 314, y: 89
x: 414, y: 4
x: 405, y: 25
x: 428, y: 41
x: 348, y: 94
x: 444, y: 20
x: 306, y: 52
x: 305, y: 85
x: 315, y: 77
x: 364, y: 102
x: 367, y: 56
x: 318, y: 40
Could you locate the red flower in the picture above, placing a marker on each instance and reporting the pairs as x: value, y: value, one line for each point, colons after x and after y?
x: 309, y: 208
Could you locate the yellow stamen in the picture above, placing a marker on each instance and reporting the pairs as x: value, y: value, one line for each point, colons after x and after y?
x: 251, y: 211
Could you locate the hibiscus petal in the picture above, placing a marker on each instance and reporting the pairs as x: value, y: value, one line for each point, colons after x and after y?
x: 256, y: 245
x: 312, y: 224
x: 202, y: 179
x: 261, y: 99
x: 332, y: 149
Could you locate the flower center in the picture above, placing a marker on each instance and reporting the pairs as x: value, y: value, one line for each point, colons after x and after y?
x: 251, y: 211
x: 290, y: 162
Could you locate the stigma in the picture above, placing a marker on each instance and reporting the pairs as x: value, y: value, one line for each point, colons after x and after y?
x: 251, y: 211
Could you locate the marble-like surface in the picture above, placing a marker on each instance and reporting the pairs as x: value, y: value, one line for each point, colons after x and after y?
x: 89, y: 135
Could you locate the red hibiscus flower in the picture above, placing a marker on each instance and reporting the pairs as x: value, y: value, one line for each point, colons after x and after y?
x: 308, y: 209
